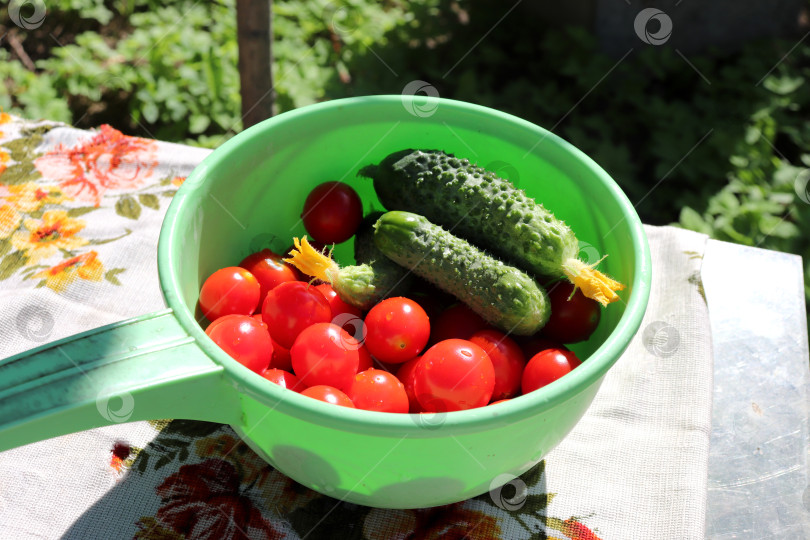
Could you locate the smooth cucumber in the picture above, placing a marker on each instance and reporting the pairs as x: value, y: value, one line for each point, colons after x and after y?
x: 502, y: 294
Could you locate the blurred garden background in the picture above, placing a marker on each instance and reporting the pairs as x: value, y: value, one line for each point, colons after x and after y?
x: 722, y: 134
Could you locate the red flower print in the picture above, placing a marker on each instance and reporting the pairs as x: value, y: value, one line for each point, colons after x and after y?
x: 110, y: 160
x: 203, y: 502
x: 575, y: 530
x: 454, y: 522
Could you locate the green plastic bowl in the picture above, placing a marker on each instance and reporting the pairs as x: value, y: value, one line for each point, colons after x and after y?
x: 248, y: 194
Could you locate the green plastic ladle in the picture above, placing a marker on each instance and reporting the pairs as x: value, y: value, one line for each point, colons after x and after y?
x: 248, y: 194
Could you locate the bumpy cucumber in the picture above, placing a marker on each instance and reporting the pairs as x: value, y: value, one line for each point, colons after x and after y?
x: 489, y: 212
x: 390, y: 279
x: 362, y: 285
x: 502, y: 294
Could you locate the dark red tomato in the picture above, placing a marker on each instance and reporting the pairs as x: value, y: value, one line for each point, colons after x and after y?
x: 291, y: 307
x: 366, y: 361
x: 332, y: 212
x: 325, y: 354
x: 245, y: 339
x: 268, y: 269
x: 283, y: 378
x: 350, y: 316
x: 572, y: 320
x: 456, y: 322
x: 329, y: 395
x: 546, y: 367
x: 531, y: 345
x: 229, y: 291
x: 507, y: 359
x: 397, y: 329
x: 454, y: 375
x: 378, y: 390
x: 405, y: 374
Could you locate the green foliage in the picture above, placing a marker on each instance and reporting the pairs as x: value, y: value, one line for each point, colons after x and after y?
x: 718, y: 142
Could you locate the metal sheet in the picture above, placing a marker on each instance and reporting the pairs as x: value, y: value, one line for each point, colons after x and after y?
x: 758, y: 474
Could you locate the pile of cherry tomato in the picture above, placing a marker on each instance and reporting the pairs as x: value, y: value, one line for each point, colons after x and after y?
x: 426, y: 353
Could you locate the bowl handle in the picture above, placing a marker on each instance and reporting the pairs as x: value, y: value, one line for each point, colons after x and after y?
x: 146, y: 368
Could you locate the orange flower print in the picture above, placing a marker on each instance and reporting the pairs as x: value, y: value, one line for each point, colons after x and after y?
x: 30, y: 197
x: 4, y: 157
x: 108, y: 161
x: 85, y: 266
x: 46, y: 236
x: 9, y: 220
x: 177, y: 181
x: 4, y: 118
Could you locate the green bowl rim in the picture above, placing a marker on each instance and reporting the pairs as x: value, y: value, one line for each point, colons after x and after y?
x: 289, y: 402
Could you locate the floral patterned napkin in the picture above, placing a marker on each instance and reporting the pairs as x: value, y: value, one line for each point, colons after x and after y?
x: 80, y: 213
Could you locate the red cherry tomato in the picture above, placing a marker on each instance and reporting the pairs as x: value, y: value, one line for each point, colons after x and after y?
x: 329, y: 395
x: 229, y: 291
x: 325, y: 354
x: 344, y: 315
x: 283, y: 378
x: 292, y: 306
x: 546, y: 367
x: 456, y: 322
x: 531, y: 345
x: 332, y: 212
x: 507, y: 359
x: 397, y: 329
x: 268, y: 269
x: 281, y: 355
x: 573, y: 320
x: 454, y: 375
x: 366, y: 361
x: 245, y: 339
x: 378, y: 390
x: 405, y: 374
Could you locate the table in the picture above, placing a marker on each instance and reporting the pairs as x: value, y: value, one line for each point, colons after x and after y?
x: 124, y: 479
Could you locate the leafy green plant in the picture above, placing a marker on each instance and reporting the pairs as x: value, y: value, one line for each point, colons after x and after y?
x: 712, y: 144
